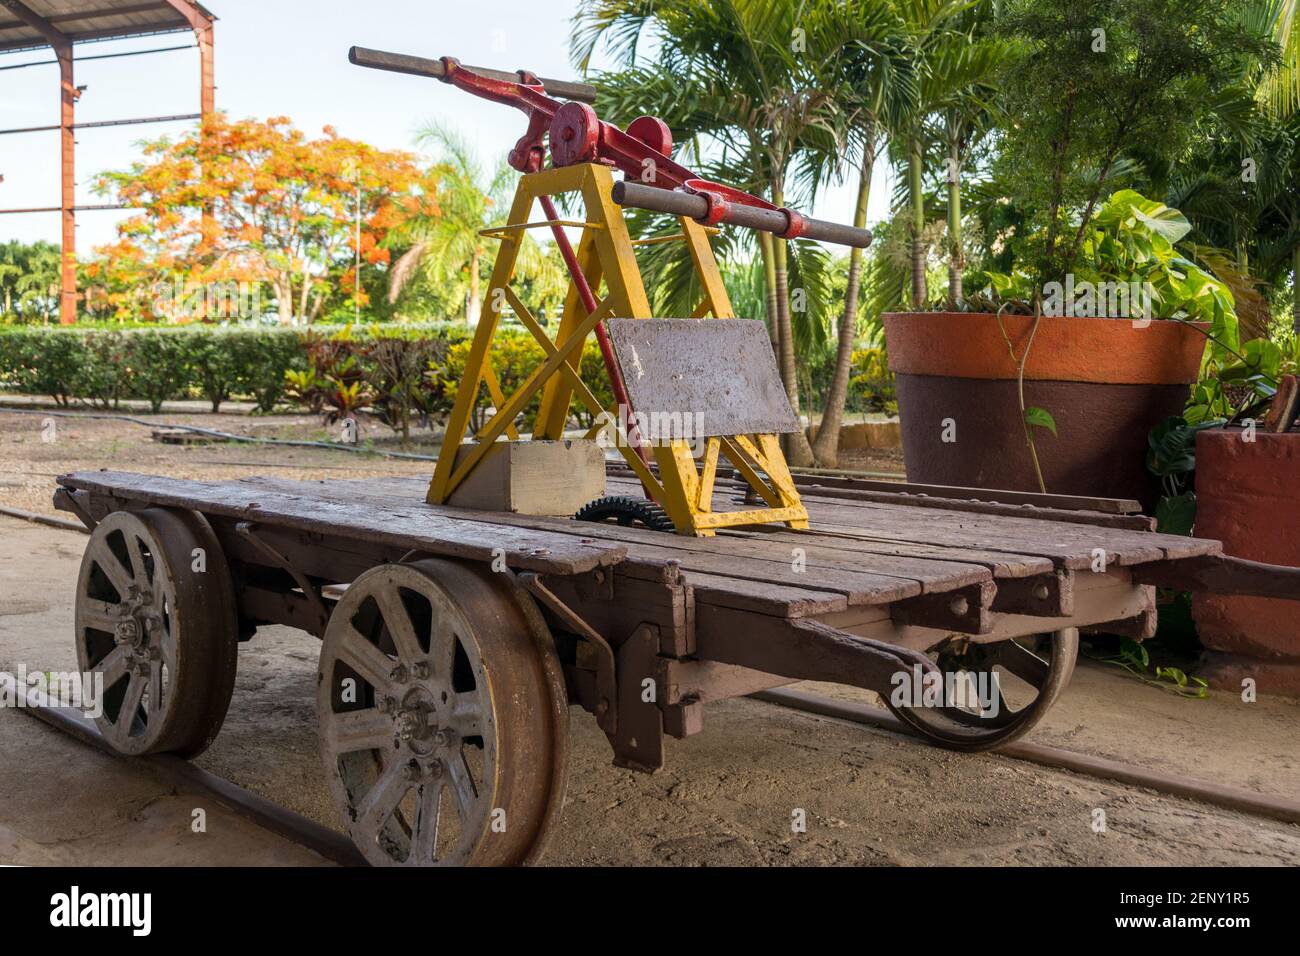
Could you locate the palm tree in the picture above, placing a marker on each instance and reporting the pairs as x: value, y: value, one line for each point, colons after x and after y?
x: 966, y: 67
x: 446, y: 247
x: 877, y: 89
x: 746, y: 74
x: 10, y: 270
x: 1280, y: 87
x: 1280, y: 91
x: 29, y: 277
x: 1250, y: 229
x: 956, y: 67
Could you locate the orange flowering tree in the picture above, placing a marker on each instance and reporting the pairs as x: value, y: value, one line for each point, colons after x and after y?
x: 257, y: 202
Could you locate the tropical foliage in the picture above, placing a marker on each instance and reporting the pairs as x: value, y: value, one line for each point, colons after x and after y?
x: 1127, y: 251
x: 448, y: 258
x: 1025, y: 140
x: 250, y: 201
x: 29, y: 281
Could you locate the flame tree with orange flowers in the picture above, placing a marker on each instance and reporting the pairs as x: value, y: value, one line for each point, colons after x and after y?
x: 255, y: 201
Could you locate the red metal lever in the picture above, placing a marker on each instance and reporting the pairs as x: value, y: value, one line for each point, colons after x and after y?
x: 578, y: 135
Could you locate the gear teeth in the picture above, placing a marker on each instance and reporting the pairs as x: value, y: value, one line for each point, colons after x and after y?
x: 627, y: 511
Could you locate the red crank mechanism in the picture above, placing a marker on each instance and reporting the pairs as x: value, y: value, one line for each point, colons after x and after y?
x: 642, y: 152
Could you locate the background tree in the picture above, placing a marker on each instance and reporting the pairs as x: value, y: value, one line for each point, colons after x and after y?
x: 447, y: 258
x: 284, y: 210
x: 957, y: 64
x: 1096, y: 83
x: 876, y: 88
x: 29, y: 280
x: 746, y: 74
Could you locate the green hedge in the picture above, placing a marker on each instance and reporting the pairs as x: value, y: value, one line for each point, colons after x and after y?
x: 101, y: 366
x: 403, y: 368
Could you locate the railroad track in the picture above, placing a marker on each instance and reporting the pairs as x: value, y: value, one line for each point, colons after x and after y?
x: 270, y: 816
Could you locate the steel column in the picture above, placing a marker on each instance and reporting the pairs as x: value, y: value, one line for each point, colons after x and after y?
x: 205, y: 35
x: 62, y: 47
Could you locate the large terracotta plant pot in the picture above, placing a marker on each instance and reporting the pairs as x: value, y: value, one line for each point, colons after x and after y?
x: 1246, y: 498
x: 1106, y: 382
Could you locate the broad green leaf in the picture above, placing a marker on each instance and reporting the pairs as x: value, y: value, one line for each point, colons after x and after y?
x: 1040, y: 418
x: 1170, y: 224
x: 1176, y: 515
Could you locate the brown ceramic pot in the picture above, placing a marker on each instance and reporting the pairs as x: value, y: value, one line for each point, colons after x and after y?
x: 1106, y: 382
x: 1246, y: 497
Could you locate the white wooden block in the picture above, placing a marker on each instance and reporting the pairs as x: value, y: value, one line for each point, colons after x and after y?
x: 533, y: 477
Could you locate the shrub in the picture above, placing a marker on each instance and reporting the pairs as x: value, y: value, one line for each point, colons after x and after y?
x: 41, y: 361
x: 161, y: 363
x: 872, y: 388
x: 400, y: 372
x: 102, y: 379
x: 262, y: 358
x: 214, y: 364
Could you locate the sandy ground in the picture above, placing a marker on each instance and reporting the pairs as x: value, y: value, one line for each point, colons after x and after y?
x: 726, y: 797
x: 36, y: 447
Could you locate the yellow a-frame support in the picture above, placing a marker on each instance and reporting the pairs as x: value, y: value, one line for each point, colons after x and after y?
x: 605, y: 254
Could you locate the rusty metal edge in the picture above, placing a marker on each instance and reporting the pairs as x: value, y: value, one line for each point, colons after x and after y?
x: 243, y: 803
x: 1232, y: 798
x: 63, y: 524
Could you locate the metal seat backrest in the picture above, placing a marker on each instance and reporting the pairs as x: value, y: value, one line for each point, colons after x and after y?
x: 702, y: 378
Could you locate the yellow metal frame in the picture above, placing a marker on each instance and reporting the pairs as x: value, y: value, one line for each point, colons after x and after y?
x: 606, y: 256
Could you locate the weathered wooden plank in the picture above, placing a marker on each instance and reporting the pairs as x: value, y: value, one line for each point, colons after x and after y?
x: 1057, y: 540
x: 769, y: 600
x: 929, y: 572
x: 773, y: 564
x: 1075, y: 553
x: 1138, y: 523
x: 416, y: 526
x: 802, y: 650
x: 1019, y: 518
x: 972, y: 539
x: 1222, y: 574
x: 1002, y: 564
x: 1044, y: 595
x: 795, y: 561
x: 1109, y: 506
x: 635, y: 602
x: 1014, y: 504
x: 1013, y: 546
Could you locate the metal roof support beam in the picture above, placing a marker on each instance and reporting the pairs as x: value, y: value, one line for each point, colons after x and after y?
x: 62, y: 47
x: 83, y: 15
x: 202, y: 25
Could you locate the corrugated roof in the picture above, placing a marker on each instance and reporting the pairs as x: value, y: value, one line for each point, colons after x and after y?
x: 85, y: 20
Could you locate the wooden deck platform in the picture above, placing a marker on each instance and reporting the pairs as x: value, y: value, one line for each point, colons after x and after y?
x: 866, y: 548
x: 883, y: 579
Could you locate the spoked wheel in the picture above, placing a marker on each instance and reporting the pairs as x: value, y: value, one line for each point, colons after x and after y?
x: 155, y: 620
x: 993, y: 693
x: 443, y: 717
x: 627, y: 512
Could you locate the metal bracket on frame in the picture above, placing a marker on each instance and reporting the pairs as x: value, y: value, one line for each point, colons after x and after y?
x: 313, y: 595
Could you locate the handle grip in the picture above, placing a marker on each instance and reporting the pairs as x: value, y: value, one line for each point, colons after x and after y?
x: 679, y: 203
x: 420, y: 66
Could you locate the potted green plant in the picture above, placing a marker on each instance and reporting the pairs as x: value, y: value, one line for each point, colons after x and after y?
x: 1053, y: 379
x: 1095, y: 360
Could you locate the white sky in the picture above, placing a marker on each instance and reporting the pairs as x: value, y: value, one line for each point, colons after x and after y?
x: 289, y: 57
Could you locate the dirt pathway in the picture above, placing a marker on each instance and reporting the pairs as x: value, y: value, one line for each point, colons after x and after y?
x: 728, y: 796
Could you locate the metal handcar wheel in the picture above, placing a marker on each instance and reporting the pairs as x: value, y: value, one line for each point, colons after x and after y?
x: 1010, y: 685
x: 443, y: 717
x: 155, y: 623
